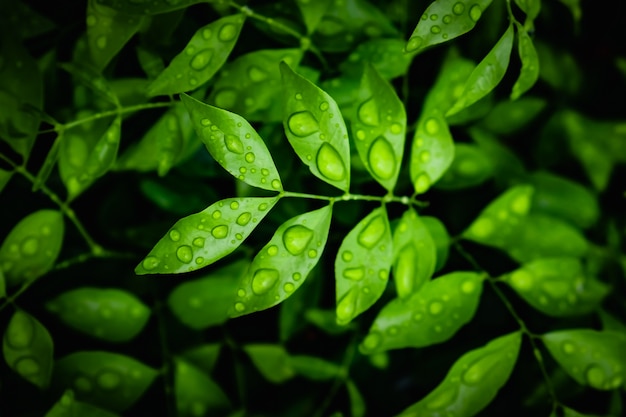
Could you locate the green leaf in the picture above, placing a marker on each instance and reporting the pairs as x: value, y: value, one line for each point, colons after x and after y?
x: 507, y: 166
x: 48, y: 164
x: 509, y: 116
x: 531, y: 8
x: 314, y: 368
x: 449, y: 83
x: 487, y: 75
x: 530, y: 64
x: 205, y: 302
x: 362, y: 265
x: 67, y: 406
x: 204, y: 55
x: 149, y: 8
x: 593, y: 358
x: 379, y: 128
x: 283, y: 264
x: 555, y: 62
x: 385, y: 54
x: 112, y: 314
x: 574, y: 8
x: 444, y: 20
x: 312, y: 12
x: 202, y: 238
x: 414, y: 254
x: 196, y: 393
x: 85, y: 75
x: 315, y: 129
x: 204, y: 357
x: 3, y: 289
x: 557, y: 287
x: 472, y: 382
x: 272, y: 361
x: 108, y: 31
x: 294, y: 311
x: 430, y: 316
x: 31, y: 247
x: 568, y: 412
x: 470, y: 167
x: 27, y: 348
x: 326, y: 320
x: 24, y: 21
x: 358, y: 407
x: 441, y: 238
x: 5, y: 177
x: 98, y: 377
x: 234, y: 144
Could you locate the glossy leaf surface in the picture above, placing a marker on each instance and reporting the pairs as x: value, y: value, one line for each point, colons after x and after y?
x: 204, y: 55
x: 67, y: 406
x: 202, y: 238
x: 283, y: 264
x: 362, y: 265
x: 272, y: 361
x: 27, y: 348
x: 148, y: 8
x: 530, y: 64
x: 472, y: 382
x: 315, y: 129
x: 593, y: 358
x: 196, y: 393
x: 112, y: 314
x: 430, y: 316
x: 31, y: 247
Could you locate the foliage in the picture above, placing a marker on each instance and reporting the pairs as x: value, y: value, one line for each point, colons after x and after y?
x: 204, y: 203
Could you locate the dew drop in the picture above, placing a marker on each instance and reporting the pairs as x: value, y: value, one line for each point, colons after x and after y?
x: 382, y: 158
x: 395, y: 128
x: 220, y: 232
x: 372, y: 341
x: 355, y: 274
x: 435, y: 29
x: 174, y: 235
x: 244, y: 218
x: 297, y: 276
x: 422, y: 183
x: 198, y: 242
x: 372, y: 232
x: 468, y: 287
x: 303, y: 124
x: 347, y: 256
x: 250, y: 157
x: 233, y: 144
x: 346, y: 307
x: 432, y: 126
x: 241, y: 292
x: 298, y: 96
x: 324, y: 106
x: 226, y: 98
x: 262, y: 206
x: 521, y: 205
x: 109, y: 380
x: 435, y: 308
x: 434, y: 17
x: 329, y: 163
x: 216, y: 214
x: 458, y: 8
x: 595, y: 376
x: 289, y: 287
x: 257, y: 74
x: 240, y: 307
x: 272, y: 250
x: 30, y: 246
x: 276, y: 184
x: 414, y: 43
x: 101, y: 42
x: 201, y: 60
x: 234, y: 205
x: 312, y: 253
x: 263, y: 281
x: 296, y: 239
x: 206, y: 33
x: 475, y: 12
x: 150, y: 263
x: 360, y: 134
x: 228, y: 32
x: 184, y: 254
x: 368, y: 113
x: 404, y: 269
x: 568, y: 348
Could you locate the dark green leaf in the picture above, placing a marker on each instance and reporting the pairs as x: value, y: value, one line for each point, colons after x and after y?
x: 531, y: 8
x: 326, y: 320
x: 509, y: 116
x: 470, y: 167
x: 449, y: 83
x: 145, y: 7
x: 196, y: 393
x: 357, y: 402
x: 48, y: 164
x: 507, y: 166
x: 272, y: 361
x: 530, y: 63
x: 203, y: 357
x: 67, y: 406
x: 312, y: 12
x: 384, y: 54
x: 314, y: 368
x: 554, y: 63
x: 23, y: 20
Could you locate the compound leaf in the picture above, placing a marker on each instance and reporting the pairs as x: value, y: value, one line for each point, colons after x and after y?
x: 530, y: 64
x: 196, y: 393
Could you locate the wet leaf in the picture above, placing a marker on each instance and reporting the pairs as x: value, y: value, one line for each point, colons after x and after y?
x: 272, y: 361
x: 362, y: 265
x: 385, y: 54
x: 204, y: 55
x: 530, y: 64
x: 196, y: 393
x: 507, y: 166
x: 67, y: 406
x: 202, y: 238
x: 325, y: 320
x: 427, y: 317
x: 31, y: 247
x: 27, y: 348
x: 112, y: 314
x: 470, y: 167
x: 448, y: 86
x: 85, y: 75
x: 593, y: 358
x: 284, y: 263
x: 554, y: 63
x: 441, y: 238
x: 472, y: 382
x: 48, y: 164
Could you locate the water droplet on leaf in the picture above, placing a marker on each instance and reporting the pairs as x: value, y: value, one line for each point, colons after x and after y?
x: 355, y: 274
x: 368, y: 113
x: 458, y: 8
x: 329, y: 163
x: 227, y: 32
x: 435, y: 308
x: 303, y: 124
x: 263, y: 281
x: 257, y: 74
x: 347, y: 306
x: 296, y: 238
x: 372, y: 232
x: 109, y: 380
x: 475, y: 12
x: 150, y: 263
x: 233, y: 144
x: 220, y: 232
x: 244, y: 218
x: 201, y: 60
x: 184, y: 254
x: 382, y: 158
x: 414, y: 43
x: 30, y: 246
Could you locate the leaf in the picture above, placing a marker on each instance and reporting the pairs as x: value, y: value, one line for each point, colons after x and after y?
x: 312, y: 12
x: 204, y: 357
x: 202, y: 238
x: 86, y: 75
x: 554, y: 63
x: 315, y: 129
x: 31, y: 247
x: 98, y: 378
x: 379, y: 127
x: 568, y: 412
x: 530, y: 64
x: 325, y: 320
x: 362, y: 265
x: 293, y: 315
x: 557, y: 287
x: 204, y: 55
x: 314, y: 368
x: 449, y: 84
x: 444, y: 20
x: 508, y: 116
x: 272, y: 361
x: 507, y: 166
x: 205, y: 302
x: 5, y: 177
x: 487, y: 75
x: 67, y: 406
x: 112, y: 314
x: 472, y: 382
x: 593, y: 358
x: 24, y: 21
x: 48, y: 164
x: 27, y: 348
x: 386, y: 55
x: 107, y: 32
x: 441, y: 238
x: 531, y: 8
x: 430, y: 316
x: 283, y: 264
x: 3, y: 289
x: 196, y: 393
x: 470, y: 167
x: 414, y: 254
x: 358, y: 407
x: 574, y: 8
x: 235, y: 144
x: 154, y: 6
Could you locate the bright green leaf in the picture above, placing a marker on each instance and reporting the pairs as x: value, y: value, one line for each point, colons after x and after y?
x: 272, y: 361
x: 470, y: 167
x: 203, y: 56
x: 362, y: 265
x: 357, y: 402
x: 31, y: 247
x: 593, y: 358
x: 149, y: 8
x: 112, y: 314
x: 441, y: 238
x: 202, y: 238
x: 385, y: 54
x: 312, y: 12
x: 283, y: 264
x: 27, y: 348
x: 472, y: 382
x: 530, y: 64
x: 430, y: 316
x: 234, y: 144
x: 315, y: 129
x: 509, y: 116
x: 196, y: 393
x: 67, y: 406
x: 314, y: 368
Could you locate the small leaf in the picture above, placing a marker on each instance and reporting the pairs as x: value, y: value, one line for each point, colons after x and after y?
x: 326, y: 320
x: 196, y: 393
x: 414, y: 254
x: 202, y: 238
x: 205, y: 302
x: 379, y: 127
x: 312, y: 12
x: 449, y: 83
x: 444, y: 20
x: 430, y: 316
x: 272, y: 361
x: 283, y: 264
x: 531, y: 8
x: 555, y: 62
x: 235, y: 144
x: 530, y: 64
x: 384, y: 54
x: 314, y: 368
x: 205, y: 53
x: 593, y: 358
x: 509, y: 116
x: 357, y: 402
x: 113, y: 315
x: 149, y: 8
x: 99, y: 377
x: 487, y: 75
x: 27, y: 348
x: 5, y: 177
x: 31, y: 247
x: 441, y: 238
x: 472, y: 382
x: 470, y: 167
x: 86, y: 75
x: 362, y: 265
x: 203, y: 357
x: 67, y: 406
x: 557, y: 287
x: 315, y: 129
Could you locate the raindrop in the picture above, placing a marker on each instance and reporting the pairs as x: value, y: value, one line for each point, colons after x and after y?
x: 368, y: 113
x: 150, y: 263
x: 220, y: 232
x: 404, y: 269
x: 264, y: 279
x: 422, y: 183
x: 240, y: 307
x: 447, y: 19
x: 256, y: 74
x: 206, y: 33
x: 475, y: 12
x: 184, y: 254
x: 91, y: 20
x: 468, y: 287
x: 276, y: 184
x: 595, y: 376
x: 312, y: 253
x: 202, y: 59
x: 263, y: 206
x: 435, y: 29
x: 244, y: 218
x: 250, y: 157
x: 568, y: 348
x: 434, y: 17
x: 382, y: 158
x: 522, y: 280
x: 347, y: 256
x: 216, y: 214
x: 372, y: 341
x: 198, y: 242
x: 303, y: 124
x: 329, y: 163
x: 298, y: 96
x: 174, y: 235
x: 355, y: 274
x: 432, y: 126
x: 360, y: 134
x: 414, y: 43
x: 289, y: 287
x: 435, y: 308
x: 228, y: 32
x: 521, y: 205
x: 241, y: 292
x: 30, y: 246
x: 272, y: 250
x: 101, y: 42
x: 265, y: 172
x: 372, y: 232
x: 226, y: 98
x: 396, y: 128
x: 346, y: 307
x: 296, y: 239
x: 233, y: 144
x: 458, y: 8
x: 324, y: 106
x: 297, y: 276
x: 424, y: 156
x: 234, y: 205
x: 109, y: 380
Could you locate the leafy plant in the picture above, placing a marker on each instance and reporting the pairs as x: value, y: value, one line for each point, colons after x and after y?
x: 204, y: 202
